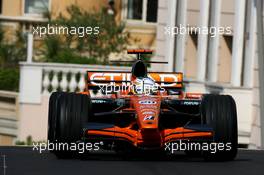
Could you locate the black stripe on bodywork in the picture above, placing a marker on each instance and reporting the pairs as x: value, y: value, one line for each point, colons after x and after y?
x: 96, y: 126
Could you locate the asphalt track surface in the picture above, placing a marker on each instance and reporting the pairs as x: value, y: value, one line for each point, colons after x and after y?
x: 24, y: 161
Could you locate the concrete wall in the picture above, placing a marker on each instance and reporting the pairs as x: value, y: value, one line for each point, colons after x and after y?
x: 34, y: 120
x: 9, y: 108
x: 225, y: 59
x: 255, y: 141
x: 190, y: 60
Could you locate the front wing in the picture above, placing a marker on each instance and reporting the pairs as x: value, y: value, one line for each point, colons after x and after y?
x: 149, y: 138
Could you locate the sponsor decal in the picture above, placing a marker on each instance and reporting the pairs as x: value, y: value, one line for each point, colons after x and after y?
x: 99, y: 101
x: 191, y: 103
x: 154, y: 107
x: 165, y: 80
x: 148, y: 112
x: 149, y: 117
x: 147, y: 102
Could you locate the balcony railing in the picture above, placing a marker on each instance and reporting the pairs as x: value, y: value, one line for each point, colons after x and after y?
x: 38, y: 79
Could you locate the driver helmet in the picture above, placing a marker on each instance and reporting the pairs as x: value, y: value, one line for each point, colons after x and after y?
x: 143, y: 86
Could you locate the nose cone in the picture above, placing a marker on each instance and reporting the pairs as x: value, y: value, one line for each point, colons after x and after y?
x: 147, y: 109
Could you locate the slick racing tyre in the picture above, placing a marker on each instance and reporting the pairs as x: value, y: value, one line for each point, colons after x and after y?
x: 67, y: 114
x: 219, y: 112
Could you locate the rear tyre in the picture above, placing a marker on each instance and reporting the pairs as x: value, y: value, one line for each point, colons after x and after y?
x: 67, y: 114
x: 219, y: 112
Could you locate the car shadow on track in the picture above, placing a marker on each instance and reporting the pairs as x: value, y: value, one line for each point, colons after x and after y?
x: 111, y: 156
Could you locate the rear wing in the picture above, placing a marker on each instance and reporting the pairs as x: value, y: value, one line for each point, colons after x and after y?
x: 97, y: 79
x: 139, y: 51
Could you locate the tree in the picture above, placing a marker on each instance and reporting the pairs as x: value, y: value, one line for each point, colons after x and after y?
x: 12, y: 52
x: 111, y: 37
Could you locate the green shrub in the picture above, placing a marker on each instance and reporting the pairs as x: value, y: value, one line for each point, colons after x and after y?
x: 28, y: 142
x: 18, y: 142
x: 9, y: 79
x: 67, y: 56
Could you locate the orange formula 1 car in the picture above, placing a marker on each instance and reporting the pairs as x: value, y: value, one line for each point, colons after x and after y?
x: 146, y: 111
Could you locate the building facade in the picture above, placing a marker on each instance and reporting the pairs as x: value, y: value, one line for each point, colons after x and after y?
x: 225, y: 62
x: 140, y: 17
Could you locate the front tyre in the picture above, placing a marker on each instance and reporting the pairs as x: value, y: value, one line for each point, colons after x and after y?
x: 219, y: 112
x: 67, y: 114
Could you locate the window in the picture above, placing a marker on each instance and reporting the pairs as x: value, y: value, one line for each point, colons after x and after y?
x: 1, y: 4
x: 142, y: 10
x: 36, y: 7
